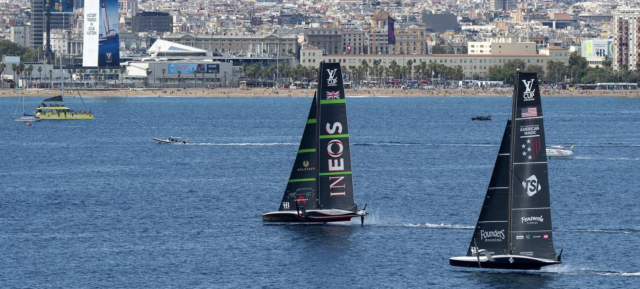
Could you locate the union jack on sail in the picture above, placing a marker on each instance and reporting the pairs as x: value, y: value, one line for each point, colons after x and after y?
x: 333, y: 94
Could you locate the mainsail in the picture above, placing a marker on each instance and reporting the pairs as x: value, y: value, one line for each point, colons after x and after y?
x: 530, y: 205
x: 334, y: 158
x: 53, y: 99
x: 301, y: 191
x: 493, y: 223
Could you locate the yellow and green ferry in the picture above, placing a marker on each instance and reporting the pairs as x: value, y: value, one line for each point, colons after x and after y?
x: 58, y: 111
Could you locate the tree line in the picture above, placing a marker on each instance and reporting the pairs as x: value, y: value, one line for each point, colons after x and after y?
x: 408, y: 71
x: 577, y: 71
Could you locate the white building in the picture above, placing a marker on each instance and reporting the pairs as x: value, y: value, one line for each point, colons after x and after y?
x: 471, y: 64
x: 501, y: 46
x: 20, y: 34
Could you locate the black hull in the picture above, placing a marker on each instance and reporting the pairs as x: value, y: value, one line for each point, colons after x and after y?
x: 310, y: 217
x: 507, y: 262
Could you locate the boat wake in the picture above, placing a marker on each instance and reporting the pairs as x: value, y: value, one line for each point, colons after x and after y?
x: 570, y: 270
x: 607, y: 231
x: 244, y: 144
x: 424, y: 144
x: 439, y: 226
x: 606, y: 159
x: 607, y: 145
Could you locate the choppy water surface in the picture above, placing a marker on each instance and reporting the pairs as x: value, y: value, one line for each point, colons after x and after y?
x: 100, y: 204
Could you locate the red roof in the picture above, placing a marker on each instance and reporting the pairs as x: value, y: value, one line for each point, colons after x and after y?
x: 563, y: 16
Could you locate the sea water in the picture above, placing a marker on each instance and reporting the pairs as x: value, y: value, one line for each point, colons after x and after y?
x: 98, y: 204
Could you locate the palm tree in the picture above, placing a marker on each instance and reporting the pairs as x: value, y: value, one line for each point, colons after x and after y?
x: 20, y: 69
x: 409, y: 64
x: 225, y: 79
x: 14, y: 67
x: 115, y: 76
x: 122, y: 69
x: 281, y: 67
x: 95, y: 78
x: 244, y: 68
x: 29, y: 70
x: 2, y: 67
x: 146, y: 72
x: 215, y: 75
x: 163, y: 72
x: 71, y: 71
x: 195, y: 74
x: 40, y: 75
x: 81, y: 73
x: 272, y: 71
x: 423, y: 68
x: 179, y: 74
x: 50, y: 79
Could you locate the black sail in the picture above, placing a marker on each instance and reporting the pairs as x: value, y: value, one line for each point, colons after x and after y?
x: 530, y: 218
x: 301, y: 191
x: 334, y: 155
x: 493, y: 224
x: 53, y: 99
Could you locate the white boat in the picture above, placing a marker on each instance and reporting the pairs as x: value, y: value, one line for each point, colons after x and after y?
x: 559, y: 152
x: 171, y: 140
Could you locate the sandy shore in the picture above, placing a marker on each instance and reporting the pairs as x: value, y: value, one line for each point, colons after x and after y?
x: 256, y: 92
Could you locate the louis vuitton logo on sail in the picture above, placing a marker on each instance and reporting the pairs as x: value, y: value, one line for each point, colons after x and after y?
x: 528, y: 94
x: 335, y: 148
x: 332, y: 80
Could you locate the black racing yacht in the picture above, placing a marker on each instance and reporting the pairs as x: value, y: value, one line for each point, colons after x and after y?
x: 320, y: 187
x: 514, y: 227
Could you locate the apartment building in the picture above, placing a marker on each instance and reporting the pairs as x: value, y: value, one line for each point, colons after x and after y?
x: 627, y: 37
x: 327, y: 38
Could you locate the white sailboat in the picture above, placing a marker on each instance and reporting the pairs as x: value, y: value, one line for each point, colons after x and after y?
x: 25, y: 116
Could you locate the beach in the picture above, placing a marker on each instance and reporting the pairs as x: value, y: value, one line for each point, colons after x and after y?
x: 261, y: 92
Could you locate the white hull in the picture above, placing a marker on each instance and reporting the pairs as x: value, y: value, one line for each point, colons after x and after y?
x: 27, y: 118
x: 559, y: 153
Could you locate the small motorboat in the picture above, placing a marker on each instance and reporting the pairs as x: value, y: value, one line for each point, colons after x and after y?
x: 171, y: 140
x: 559, y: 152
x: 482, y: 117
